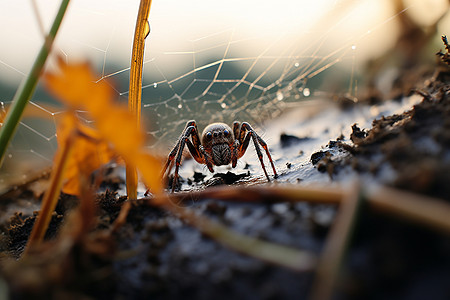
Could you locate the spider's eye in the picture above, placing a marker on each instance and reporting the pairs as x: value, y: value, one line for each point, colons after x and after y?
x: 208, y: 135
x: 226, y: 132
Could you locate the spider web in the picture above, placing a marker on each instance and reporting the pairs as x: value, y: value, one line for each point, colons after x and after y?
x: 219, y: 73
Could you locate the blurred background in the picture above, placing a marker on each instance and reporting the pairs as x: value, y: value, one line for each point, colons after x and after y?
x: 216, y: 61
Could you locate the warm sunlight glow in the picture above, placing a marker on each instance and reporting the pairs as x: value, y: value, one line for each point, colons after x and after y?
x: 96, y: 34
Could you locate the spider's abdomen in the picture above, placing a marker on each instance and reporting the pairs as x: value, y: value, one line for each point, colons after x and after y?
x: 221, y: 154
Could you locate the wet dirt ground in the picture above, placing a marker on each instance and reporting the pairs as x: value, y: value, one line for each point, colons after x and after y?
x: 157, y: 255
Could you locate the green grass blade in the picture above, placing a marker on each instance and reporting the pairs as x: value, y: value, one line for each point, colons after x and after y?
x: 27, y: 87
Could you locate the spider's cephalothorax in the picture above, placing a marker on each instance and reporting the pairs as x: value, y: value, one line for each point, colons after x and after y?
x: 218, y: 142
x: 219, y: 145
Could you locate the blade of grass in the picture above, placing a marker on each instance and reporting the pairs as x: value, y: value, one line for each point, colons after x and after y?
x: 336, y: 246
x: 134, y: 99
x: 27, y: 87
x: 51, y: 195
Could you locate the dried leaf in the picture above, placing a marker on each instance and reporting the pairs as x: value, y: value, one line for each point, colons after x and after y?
x: 76, y: 86
x: 90, y: 153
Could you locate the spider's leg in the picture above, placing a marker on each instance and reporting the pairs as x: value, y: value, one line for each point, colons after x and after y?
x: 169, y: 161
x: 196, y: 149
x: 245, y: 134
x: 236, y: 129
x: 234, y: 153
x: 195, y: 137
x: 207, y: 159
x: 240, y: 132
x: 266, y: 148
x: 258, y: 152
x: 173, y: 153
x: 194, y: 146
x: 257, y: 140
x: 184, y: 138
x: 243, y: 145
x: 235, y: 146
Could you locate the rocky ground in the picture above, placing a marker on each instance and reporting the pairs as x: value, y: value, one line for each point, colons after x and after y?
x: 155, y: 254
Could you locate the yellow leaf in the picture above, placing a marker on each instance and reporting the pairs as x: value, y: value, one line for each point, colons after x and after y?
x: 76, y: 86
x: 150, y: 168
x: 89, y: 153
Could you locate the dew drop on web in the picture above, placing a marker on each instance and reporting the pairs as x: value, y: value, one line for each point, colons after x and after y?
x: 306, y: 92
x: 280, y: 96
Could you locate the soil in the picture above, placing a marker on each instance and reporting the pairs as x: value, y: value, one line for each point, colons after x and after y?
x: 154, y: 254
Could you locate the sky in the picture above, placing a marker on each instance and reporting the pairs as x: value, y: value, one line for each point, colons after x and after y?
x: 102, y: 30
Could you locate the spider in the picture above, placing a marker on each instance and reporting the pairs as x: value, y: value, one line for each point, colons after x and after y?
x: 219, y: 146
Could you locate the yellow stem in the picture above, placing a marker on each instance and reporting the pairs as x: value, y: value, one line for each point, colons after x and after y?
x: 51, y: 195
x: 134, y: 97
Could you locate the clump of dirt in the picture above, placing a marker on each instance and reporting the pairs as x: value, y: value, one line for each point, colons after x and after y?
x: 415, y: 144
x: 197, y: 180
x: 287, y: 140
x: 226, y: 178
x: 408, y: 151
x: 20, y: 229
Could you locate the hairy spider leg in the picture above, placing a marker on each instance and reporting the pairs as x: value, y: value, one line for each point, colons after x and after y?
x: 265, y: 147
x: 236, y: 128
x: 183, y: 140
x: 194, y: 146
x: 169, y: 161
x: 242, y: 141
x: 235, y: 149
x: 176, y: 150
x: 257, y: 140
x: 196, y: 149
x: 173, y: 153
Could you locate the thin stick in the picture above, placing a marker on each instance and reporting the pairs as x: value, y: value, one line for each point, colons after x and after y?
x: 134, y: 98
x: 336, y: 246
x: 27, y: 87
x: 421, y: 209
x: 51, y: 195
x: 432, y: 212
x: 288, y: 257
x: 122, y: 218
x: 264, y: 194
